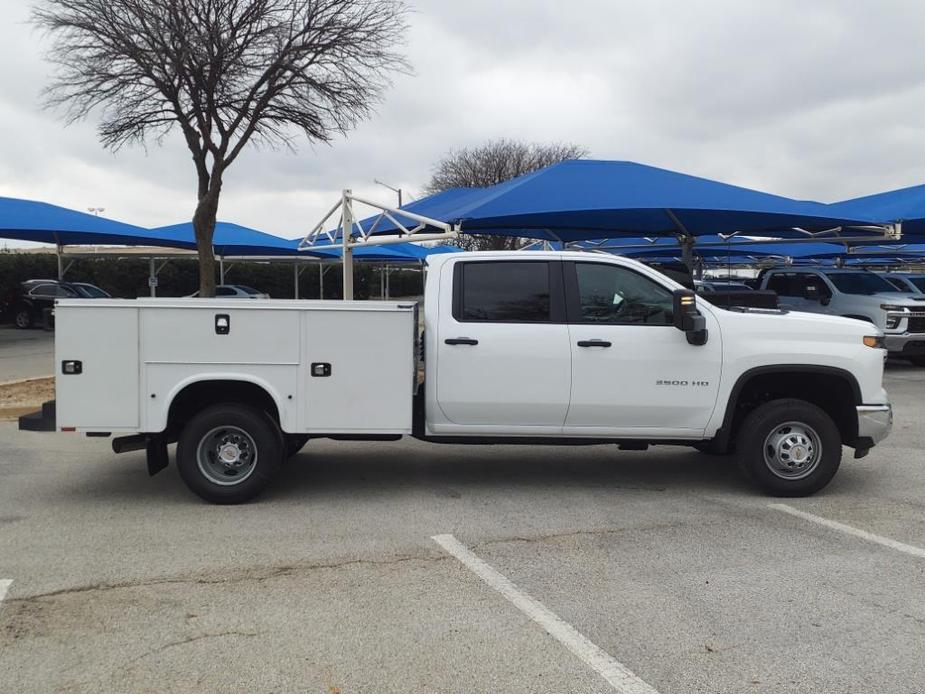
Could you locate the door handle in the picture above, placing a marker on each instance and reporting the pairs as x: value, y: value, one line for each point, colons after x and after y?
x: 593, y: 343
x: 461, y: 341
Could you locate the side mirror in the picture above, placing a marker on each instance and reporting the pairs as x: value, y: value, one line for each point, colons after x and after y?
x: 687, y: 318
x: 812, y: 293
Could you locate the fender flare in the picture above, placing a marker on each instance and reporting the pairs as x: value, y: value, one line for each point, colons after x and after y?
x: 724, y: 433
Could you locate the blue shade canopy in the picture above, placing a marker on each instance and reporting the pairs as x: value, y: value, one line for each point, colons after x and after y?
x: 586, y: 199
x: 397, y: 252
x: 229, y: 239
x: 906, y: 205
x: 716, y: 248
x: 29, y: 220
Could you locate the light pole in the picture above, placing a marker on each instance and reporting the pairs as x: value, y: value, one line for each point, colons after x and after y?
x: 392, y: 188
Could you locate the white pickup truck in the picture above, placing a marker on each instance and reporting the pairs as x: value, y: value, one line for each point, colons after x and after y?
x: 518, y: 347
x: 859, y: 294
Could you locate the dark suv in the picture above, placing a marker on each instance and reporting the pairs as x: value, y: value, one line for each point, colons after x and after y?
x: 33, y: 303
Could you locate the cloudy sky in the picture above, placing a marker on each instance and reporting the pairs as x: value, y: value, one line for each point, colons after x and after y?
x: 822, y: 99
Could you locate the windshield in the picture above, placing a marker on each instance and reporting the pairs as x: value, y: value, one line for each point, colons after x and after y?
x: 90, y: 291
x: 247, y: 290
x: 919, y: 282
x: 860, y: 283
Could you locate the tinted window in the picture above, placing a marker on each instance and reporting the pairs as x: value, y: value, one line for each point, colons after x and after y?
x: 90, y: 291
x: 864, y: 283
x: 506, y: 292
x: 224, y: 291
x: 781, y: 285
x: 247, y: 290
x: 613, y: 294
x: 52, y: 290
x: 813, y: 282
x: 897, y: 283
x: 918, y: 282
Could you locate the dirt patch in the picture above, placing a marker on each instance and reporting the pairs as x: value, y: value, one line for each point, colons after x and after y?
x: 21, y: 397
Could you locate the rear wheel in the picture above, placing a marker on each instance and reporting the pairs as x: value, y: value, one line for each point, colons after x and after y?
x: 228, y: 453
x: 789, y: 447
x: 22, y: 319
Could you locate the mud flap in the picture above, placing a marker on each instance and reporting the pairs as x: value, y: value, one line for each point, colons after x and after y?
x: 156, y: 449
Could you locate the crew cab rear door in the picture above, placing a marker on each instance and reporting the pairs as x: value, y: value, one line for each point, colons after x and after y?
x: 504, y: 356
x: 633, y: 372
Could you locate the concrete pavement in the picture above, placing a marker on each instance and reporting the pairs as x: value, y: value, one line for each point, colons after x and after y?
x: 665, y: 560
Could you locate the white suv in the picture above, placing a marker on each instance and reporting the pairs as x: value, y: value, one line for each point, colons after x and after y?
x: 856, y: 294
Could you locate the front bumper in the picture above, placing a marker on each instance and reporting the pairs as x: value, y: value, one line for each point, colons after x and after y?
x: 907, y: 344
x: 874, y: 424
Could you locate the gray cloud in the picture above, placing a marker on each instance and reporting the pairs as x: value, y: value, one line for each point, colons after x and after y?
x: 816, y: 100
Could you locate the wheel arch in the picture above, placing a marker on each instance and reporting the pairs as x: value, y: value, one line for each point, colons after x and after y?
x: 196, y: 392
x: 833, y: 389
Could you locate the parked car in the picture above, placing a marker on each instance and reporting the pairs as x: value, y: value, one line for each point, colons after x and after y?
x: 89, y: 291
x: 720, y: 285
x: 33, y: 304
x: 911, y: 282
x: 235, y: 291
x: 546, y: 347
x: 859, y: 294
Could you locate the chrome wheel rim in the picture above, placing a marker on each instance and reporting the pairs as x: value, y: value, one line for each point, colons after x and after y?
x: 792, y: 450
x: 226, y: 455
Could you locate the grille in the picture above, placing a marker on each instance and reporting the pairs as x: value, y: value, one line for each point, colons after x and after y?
x: 917, y: 325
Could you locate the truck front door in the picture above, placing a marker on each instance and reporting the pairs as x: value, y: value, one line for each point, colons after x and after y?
x: 633, y: 372
x: 504, y: 357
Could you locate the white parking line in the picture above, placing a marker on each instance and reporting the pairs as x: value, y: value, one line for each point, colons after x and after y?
x: 5, y: 584
x: 616, y: 674
x: 857, y: 532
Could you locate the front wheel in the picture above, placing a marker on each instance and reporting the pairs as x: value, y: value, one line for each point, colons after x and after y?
x: 228, y: 453
x: 789, y: 447
x: 23, y: 319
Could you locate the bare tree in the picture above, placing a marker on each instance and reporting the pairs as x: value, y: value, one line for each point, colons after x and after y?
x: 495, y: 162
x: 226, y: 72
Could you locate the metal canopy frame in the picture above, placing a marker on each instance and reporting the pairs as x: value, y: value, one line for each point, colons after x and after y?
x: 349, y: 233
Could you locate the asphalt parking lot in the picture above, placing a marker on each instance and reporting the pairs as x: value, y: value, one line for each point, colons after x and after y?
x: 25, y: 353
x: 664, y: 561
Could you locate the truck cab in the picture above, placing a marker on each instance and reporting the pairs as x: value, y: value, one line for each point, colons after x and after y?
x: 858, y: 294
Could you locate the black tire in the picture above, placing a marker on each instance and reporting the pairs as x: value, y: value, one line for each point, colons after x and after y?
x: 917, y: 361
x: 22, y: 318
x: 294, y: 443
x: 769, y: 421
x: 252, y: 433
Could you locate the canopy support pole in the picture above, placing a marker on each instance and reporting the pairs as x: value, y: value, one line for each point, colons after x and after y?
x: 686, y: 240
x: 153, y: 271
x: 346, y: 233
x: 221, y: 270
x: 59, y: 249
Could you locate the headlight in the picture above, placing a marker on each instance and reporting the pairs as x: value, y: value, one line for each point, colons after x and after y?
x: 892, y: 322
x: 875, y: 341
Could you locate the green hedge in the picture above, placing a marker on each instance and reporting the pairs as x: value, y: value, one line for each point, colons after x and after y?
x: 128, y: 278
